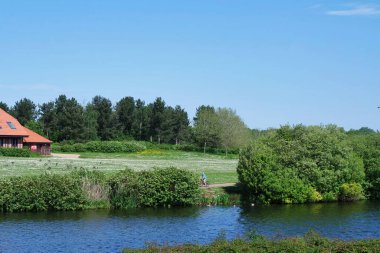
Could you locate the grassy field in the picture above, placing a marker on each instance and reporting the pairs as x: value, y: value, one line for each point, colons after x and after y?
x: 219, y: 169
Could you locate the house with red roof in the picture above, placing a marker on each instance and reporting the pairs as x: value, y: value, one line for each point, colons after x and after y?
x: 14, y: 135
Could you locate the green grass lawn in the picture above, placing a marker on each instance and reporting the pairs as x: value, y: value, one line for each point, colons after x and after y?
x: 218, y: 168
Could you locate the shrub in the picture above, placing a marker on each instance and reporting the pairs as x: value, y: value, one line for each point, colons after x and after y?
x: 124, y: 188
x: 62, y: 192
x: 168, y: 187
x: 350, y: 192
x: 329, y: 197
x: 67, y: 148
x: 101, y: 146
x: 114, y: 146
x: 41, y: 193
x: 158, y: 187
x: 15, y: 152
x: 299, y: 164
x: 79, y: 147
x: 55, y: 147
x: 91, y: 189
x: 188, y: 147
x: 314, y: 195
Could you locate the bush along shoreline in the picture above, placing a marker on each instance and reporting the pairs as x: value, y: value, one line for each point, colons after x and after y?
x: 254, y: 243
x: 303, y: 165
x: 84, y: 189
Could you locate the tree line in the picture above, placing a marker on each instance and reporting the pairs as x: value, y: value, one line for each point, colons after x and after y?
x: 65, y: 119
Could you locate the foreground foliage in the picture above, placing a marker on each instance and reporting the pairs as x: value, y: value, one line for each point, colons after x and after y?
x: 90, y: 189
x: 41, y: 193
x: 311, y: 242
x: 159, y: 187
x: 302, y: 164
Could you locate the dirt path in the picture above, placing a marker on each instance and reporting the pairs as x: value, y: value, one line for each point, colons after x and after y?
x: 221, y: 185
x: 67, y: 156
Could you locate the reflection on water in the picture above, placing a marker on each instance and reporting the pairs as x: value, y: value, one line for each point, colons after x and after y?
x: 110, y: 231
x: 334, y: 220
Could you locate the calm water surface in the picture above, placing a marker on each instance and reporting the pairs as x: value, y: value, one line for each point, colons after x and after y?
x: 111, y: 231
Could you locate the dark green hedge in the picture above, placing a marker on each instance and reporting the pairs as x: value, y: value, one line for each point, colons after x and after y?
x: 101, y: 146
x: 131, y: 146
x: 190, y: 148
x: 15, y: 152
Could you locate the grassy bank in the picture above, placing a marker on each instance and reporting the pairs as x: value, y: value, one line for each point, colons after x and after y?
x: 311, y: 242
x: 218, y: 168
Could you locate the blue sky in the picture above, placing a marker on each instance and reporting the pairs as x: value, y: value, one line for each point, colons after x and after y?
x: 274, y: 62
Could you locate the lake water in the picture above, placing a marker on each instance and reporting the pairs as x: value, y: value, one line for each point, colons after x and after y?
x: 111, y: 231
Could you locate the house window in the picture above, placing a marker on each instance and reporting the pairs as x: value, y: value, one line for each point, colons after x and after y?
x: 14, y: 142
x: 10, y: 124
x: 1, y: 142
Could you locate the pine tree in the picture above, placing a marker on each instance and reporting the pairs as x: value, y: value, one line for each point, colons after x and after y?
x: 125, y: 113
x: 157, y: 119
x: 103, y: 107
x: 69, y: 114
x: 24, y: 111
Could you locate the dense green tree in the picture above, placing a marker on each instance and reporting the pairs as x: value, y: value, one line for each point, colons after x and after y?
x: 48, y: 120
x: 140, y: 125
x: 319, y: 157
x: 35, y: 126
x: 4, y: 106
x: 69, y: 116
x: 362, y: 130
x: 24, y: 111
x: 90, y: 118
x: 181, y: 125
x: 367, y: 146
x: 157, y: 118
x: 206, y: 127
x: 176, y: 127
x: 125, y: 112
x: 105, y: 127
x: 233, y: 133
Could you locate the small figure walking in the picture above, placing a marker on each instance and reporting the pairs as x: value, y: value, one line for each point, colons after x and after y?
x: 204, y: 179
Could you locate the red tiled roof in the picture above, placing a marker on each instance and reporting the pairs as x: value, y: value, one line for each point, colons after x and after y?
x: 6, y: 130
x: 20, y: 131
x: 34, y: 137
